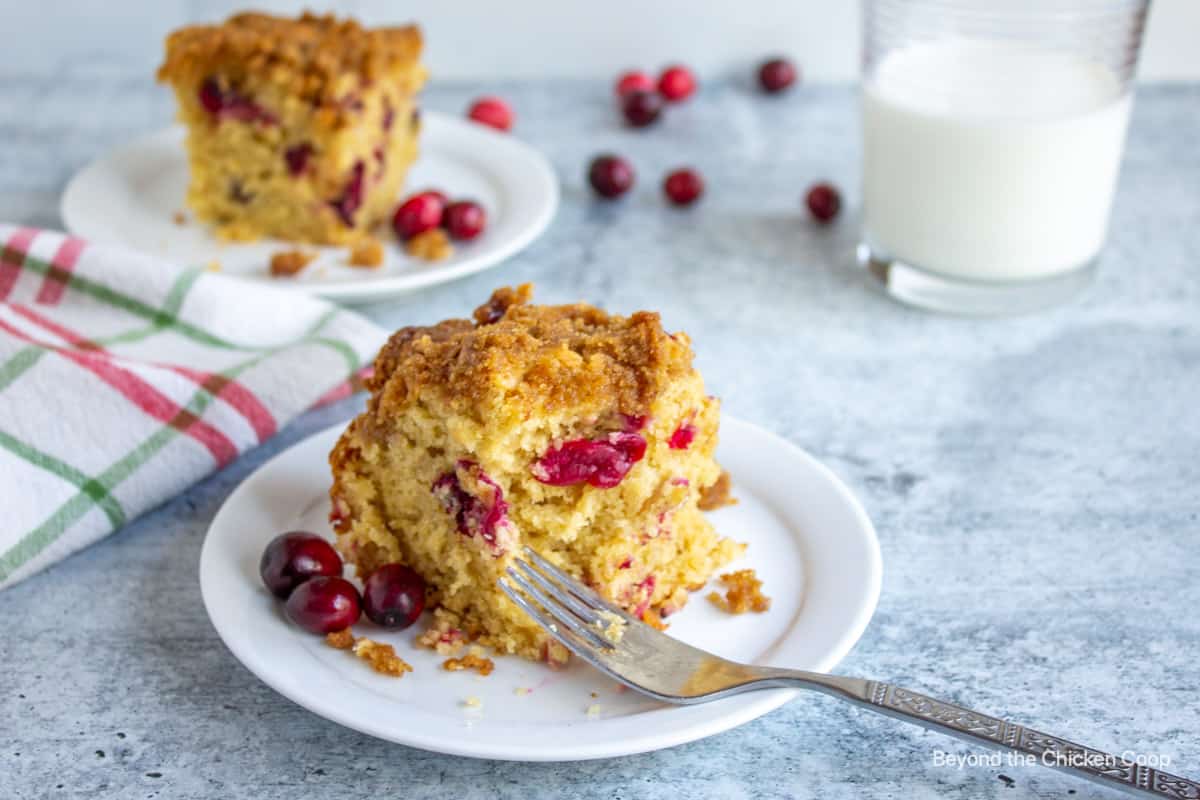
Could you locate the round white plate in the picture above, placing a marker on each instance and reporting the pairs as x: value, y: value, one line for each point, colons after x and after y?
x: 811, y: 543
x: 131, y: 195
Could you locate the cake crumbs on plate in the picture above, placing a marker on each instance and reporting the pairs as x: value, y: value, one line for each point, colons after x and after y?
x: 442, y: 636
x: 718, y: 495
x: 340, y: 640
x: 654, y: 620
x: 366, y: 253
x: 382, y: 657
x: 474, y: 659
x: 472, y: 702
x: 521, y: 691
x: 594, y: 710
x: 431, y: 245
x: 179, y: 218
x: 289, y: 262
x: 213, y: 266
x: 743, y: 592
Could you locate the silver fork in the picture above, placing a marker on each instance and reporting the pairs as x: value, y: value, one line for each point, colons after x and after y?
x: 654, y: 664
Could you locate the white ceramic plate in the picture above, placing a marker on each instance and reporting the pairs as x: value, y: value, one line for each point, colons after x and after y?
x: 131, y: 195
x: 810, y: 541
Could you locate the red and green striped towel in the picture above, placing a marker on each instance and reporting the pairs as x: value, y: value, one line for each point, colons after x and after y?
x: 124, y: 379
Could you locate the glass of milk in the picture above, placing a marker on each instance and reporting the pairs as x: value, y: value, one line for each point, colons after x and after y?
x: 992, y: 139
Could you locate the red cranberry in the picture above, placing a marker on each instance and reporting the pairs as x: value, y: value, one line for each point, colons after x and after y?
x: 352, y: 195
x: 676, y: 83
x: 824, y: 202
x: 417, y: 214
x: 438, y: 195
x: 683, y: 187
x: 492, y: 111
x: 641, y: 108
x: 776, y: 75
x: 324, y: 605
x: 683, y: 436
x: 297, y: 157
x: 602, y: 463
x: 464, y: 220
x: 481, y: 516
x: 611, y: 176
x: 393, y: 596
x: 210, y: 96
x: 292, y: 558
x: 634, y: 81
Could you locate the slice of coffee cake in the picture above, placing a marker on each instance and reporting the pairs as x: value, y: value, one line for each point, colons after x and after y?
x: 297, y: 128
x: 585, y: 435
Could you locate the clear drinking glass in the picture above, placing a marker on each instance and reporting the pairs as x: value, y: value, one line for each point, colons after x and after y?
x: 992, y: 139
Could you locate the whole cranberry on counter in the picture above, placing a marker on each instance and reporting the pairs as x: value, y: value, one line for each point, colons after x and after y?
x: 464, y: 220
x: 610, y: 176
x: 492, y: 111
x: 295, y: 557
x: 824, y: 202
x: 633, y: 81
x: 683, y: 186
x: 394, y: 596
x: 641, y: 108
x: 676, y: 83
x: 324, y: 605
x: 419, y: 213
x: 776, y: 75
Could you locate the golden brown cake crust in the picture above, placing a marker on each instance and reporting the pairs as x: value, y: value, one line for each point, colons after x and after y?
x: 311, y: 52
x: 536, y: 357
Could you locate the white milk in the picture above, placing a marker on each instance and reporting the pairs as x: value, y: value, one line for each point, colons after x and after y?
x: 989, y: 160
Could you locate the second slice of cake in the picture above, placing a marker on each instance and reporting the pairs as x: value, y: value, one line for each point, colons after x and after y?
x: 301, y: 129
x: 584, y: 435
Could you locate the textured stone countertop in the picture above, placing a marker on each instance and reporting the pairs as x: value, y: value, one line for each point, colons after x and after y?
x: 1035, y: 481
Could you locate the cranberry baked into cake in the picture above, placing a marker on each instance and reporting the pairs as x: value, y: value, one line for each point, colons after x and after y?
x: 301, y: 129
x: 584, y: 435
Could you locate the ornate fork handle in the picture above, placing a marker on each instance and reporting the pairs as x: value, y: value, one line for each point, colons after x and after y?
x: 1040, y: 748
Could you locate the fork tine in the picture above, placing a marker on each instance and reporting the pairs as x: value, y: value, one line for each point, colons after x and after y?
x: 564, y: 637
x: 587, y: 613
x: 578, y: 589
x: 561, y: 615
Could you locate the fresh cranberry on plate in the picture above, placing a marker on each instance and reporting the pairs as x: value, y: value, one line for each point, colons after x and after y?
x: 464, y: 220
x: 295, y: 557
x: 393, y: 596
x: 419, y: 213
x: 324, y: 605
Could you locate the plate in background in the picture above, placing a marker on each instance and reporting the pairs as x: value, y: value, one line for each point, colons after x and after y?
x: 131, y: 196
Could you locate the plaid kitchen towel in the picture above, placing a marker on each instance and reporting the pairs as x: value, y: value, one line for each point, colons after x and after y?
x: 124, y: 379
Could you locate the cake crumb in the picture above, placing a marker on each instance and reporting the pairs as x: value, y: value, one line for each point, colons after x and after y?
x: 366, y: 253
x: 442, y: 636
x: 382, y: 657
x: 430, y: 245
x: 610, y: 625
x: 340, y: 640
x: 521, y: 691
x: 289, y: 262
x: 213, y: 266
x: 480, y: 664
x: 718, y: 495
x: 472, y: 702
x: 654, y: 620
x: 743, y: 593
x: 179, y: 218
x: 595, y: 695
x: 594, y: 710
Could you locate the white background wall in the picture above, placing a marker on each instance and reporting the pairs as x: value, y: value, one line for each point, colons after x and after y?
x: 489, y: 39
